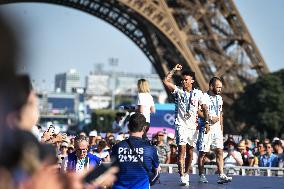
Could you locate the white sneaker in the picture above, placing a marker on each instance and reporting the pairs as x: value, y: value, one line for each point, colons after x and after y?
x: 224, y: 179
x: 186, y: 177
x: 203, y: 179
x: 184, y: 180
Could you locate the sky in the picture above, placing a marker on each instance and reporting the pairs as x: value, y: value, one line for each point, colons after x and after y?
x: 56, y: 38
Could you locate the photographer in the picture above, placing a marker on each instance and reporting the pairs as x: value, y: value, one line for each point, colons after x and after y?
x: 132, y: 173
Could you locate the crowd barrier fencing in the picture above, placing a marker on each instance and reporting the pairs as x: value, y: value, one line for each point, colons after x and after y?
x: 230, y: 170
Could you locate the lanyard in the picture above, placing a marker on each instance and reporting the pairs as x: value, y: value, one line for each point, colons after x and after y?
x: 215, y: 107
x: 81, y: 163
x: 187, y: 101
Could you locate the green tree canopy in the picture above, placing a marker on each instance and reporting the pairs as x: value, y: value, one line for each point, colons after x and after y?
x: 261, y: 106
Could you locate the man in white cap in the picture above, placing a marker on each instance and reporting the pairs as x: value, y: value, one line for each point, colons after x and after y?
x: 171, y: 138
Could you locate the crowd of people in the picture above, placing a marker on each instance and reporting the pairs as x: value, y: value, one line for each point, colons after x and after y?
x: 245, y: 152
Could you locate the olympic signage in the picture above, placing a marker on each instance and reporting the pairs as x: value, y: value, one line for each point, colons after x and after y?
x: 164, y: 116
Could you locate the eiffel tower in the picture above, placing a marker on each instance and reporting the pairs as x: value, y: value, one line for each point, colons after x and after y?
x: 208, y: 37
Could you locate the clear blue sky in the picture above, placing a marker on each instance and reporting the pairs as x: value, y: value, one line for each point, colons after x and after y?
x: 56, y: 38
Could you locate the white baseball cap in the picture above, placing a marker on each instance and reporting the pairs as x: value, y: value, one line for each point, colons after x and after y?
x: 275, y: 138
x: 171, y: 135
x: 93, y: 133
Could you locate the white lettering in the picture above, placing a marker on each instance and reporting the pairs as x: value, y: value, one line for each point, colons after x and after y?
x: 120, y: 149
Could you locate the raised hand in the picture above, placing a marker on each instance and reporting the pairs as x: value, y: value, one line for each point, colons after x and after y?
x: 177, y: 67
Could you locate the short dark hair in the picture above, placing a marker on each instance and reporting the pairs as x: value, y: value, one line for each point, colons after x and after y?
x: 188, y: 73
x: 136, y: 122
x: 213, y: 80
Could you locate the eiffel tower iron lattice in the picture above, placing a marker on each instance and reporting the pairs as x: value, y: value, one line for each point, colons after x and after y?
x: 208, y: 37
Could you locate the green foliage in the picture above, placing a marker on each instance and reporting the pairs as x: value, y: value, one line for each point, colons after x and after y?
x: 261, y: 106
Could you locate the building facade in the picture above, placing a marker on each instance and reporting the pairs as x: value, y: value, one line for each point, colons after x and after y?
x: 65, y: 82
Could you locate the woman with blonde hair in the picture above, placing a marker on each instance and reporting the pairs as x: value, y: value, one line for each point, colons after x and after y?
x: 145, y: 102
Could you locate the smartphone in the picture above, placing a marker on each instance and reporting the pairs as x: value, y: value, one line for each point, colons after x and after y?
x: 98, y: 171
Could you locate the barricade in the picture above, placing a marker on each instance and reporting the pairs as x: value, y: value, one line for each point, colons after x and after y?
x: 236, y: 170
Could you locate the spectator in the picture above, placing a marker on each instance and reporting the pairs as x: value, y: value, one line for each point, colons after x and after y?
x: 230, y: 139
x: 173, y: 153
x: 232, y: 157
x: 101, y: 151
x: 80, y: 159
x: 261, y: 149
x: 82, y: 133
x: 162, y: 148
x: 63, y: 152
x: 242, y: 148
x: 252, y: 160
x: 278, y: 150
x: 93, y: 141
x: 132, y: 174
x: 117, y: 123
x: 255, y: 142
x: 72, y: 140
x: 110, y: 141
x: 266, y: 141
x: 171, y: 138
x: 268, y: 159
x: 248, y: 144
x: 98, y: 139
x: 70, y: 149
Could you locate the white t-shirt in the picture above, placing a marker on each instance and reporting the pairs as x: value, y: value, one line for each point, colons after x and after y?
x: 230, y: 160
x: 187, y: 102
x: 145, y: 100
x: 214, y: 104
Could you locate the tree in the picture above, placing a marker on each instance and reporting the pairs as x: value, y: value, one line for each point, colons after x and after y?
x: 261, y: 106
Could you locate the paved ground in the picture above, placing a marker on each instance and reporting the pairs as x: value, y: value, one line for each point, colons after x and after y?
x: 171, y: 181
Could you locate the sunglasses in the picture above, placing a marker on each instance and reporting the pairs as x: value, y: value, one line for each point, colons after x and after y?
x: 82, y: 150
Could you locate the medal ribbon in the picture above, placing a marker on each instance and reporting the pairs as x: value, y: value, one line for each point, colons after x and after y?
x: 187, y: 101
x: 215, y: 107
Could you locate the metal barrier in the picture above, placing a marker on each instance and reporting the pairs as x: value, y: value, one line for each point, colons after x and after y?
x: 232, y: 170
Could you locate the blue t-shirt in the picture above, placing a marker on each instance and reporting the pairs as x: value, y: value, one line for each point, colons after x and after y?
x: 132, y: 174
x: 268, y: 161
